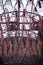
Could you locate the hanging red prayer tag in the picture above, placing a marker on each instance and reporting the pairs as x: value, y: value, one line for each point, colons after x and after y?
x: 18, y: 3
x: 0, y: 24
x: 0, y: 17
x: 29, y: 37
x: 23, y: 27
x: 16, y: 14
x: 8, y: 37
x: 35, y: 9
x: 39, y: 4
x: 15, y: 26
x: 0, y: 40
x: 8, y: 26
x: 24, y: 12
x: 40, y: 21
x: 31, y: 27
x: 0, y: 27
x: 17, y: 20
x: 33, y: 20
x: 40, y: 29
x: 8, y: 22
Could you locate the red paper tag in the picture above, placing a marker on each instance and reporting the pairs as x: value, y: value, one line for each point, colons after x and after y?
x: 8, y: 37
x: 35, y: 9
x: 0, y: 27
x: 29, y: 37
x: 18, y: 3
x: 33, y: 20
x: 23, y: 27
x: 40, y: 21
x: 0, y: 17
x: 8, y: 22
x: 5, y: 45
x: 31, y: 27
x: 24, y: 12
x: 39, y: 4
